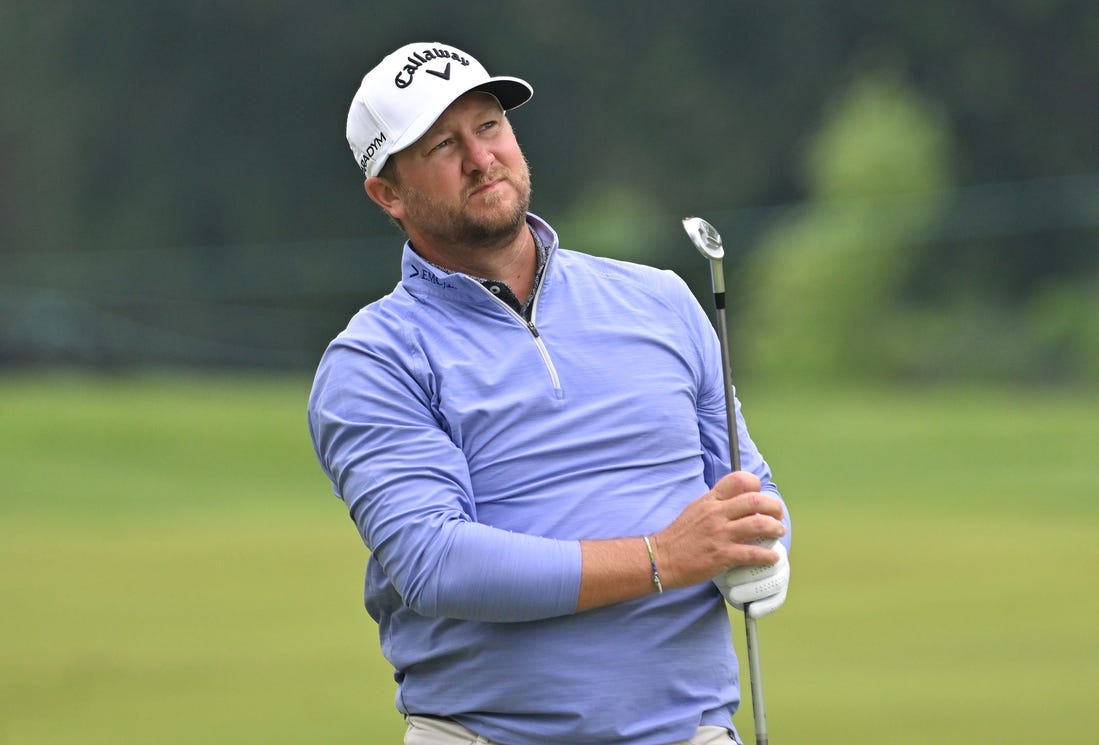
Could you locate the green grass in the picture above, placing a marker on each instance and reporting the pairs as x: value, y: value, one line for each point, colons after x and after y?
x: 174, y: 568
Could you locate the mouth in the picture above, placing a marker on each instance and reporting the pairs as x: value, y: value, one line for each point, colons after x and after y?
x: 488, y: 188
x: 490, y: 184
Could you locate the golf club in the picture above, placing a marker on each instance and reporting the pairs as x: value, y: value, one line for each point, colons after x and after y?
x: 708, y: 242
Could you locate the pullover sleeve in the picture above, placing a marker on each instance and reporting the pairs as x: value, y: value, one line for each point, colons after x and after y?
x: 407, y: 488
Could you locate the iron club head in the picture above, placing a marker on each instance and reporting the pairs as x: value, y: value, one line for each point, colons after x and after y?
x: 705, y: 237
x: 708, y: 242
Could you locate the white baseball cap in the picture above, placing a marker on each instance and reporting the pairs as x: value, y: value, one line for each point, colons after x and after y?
x: 407, y: 91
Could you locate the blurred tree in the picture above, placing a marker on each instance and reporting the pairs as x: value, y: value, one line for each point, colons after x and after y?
x: 1063, y: 319
x: 824, y: 286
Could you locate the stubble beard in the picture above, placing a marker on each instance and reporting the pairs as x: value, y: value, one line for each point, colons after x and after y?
x: 459, y: 227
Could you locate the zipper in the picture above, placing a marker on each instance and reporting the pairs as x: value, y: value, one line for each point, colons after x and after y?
x: 536, y: 335
x: 539, y: 342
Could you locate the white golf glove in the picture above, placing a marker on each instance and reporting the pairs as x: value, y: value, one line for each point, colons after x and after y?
x: 762, y: 588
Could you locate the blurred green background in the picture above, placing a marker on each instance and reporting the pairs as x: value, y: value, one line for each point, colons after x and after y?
x: 909, y: 196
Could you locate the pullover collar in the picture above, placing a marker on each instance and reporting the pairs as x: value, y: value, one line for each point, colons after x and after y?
x: 422, y: 278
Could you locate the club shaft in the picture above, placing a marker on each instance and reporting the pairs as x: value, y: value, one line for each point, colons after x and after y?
x: 727, y: 372
x: 759, y: 717
x: 755, y: 678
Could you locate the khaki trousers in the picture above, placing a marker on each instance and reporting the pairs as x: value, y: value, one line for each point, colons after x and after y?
x: 433, y: 731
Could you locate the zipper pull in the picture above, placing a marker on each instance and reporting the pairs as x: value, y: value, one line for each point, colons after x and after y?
x: 533, y: 329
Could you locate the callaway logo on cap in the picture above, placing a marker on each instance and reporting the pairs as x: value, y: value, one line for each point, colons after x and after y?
x: 402, y: 97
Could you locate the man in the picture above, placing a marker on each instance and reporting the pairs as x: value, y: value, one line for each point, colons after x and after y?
x: 531, y: 442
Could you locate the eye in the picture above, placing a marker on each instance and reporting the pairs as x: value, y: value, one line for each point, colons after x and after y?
x: 441, y: 144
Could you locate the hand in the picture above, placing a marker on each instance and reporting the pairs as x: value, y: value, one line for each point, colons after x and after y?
x: 719, y: 530
x: 761, y: 588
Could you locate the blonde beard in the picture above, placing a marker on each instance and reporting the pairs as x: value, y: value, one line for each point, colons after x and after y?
x: 452, y: 225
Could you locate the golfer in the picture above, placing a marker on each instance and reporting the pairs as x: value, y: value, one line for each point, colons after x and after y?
x: 532, y: 444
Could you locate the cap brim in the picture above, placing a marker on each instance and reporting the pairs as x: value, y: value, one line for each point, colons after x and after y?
x: 510, y: 92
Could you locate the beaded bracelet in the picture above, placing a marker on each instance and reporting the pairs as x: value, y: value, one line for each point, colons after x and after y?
x: 652, y: 563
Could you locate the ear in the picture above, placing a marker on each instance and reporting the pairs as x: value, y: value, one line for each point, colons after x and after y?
x: 385, y: 196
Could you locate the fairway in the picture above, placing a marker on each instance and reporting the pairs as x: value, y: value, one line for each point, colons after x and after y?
x: 174, y: 568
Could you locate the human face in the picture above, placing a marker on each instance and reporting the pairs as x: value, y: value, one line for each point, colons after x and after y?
x: 465, y: 183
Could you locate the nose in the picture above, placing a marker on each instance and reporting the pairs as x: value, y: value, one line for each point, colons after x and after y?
x: 478, y: 157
